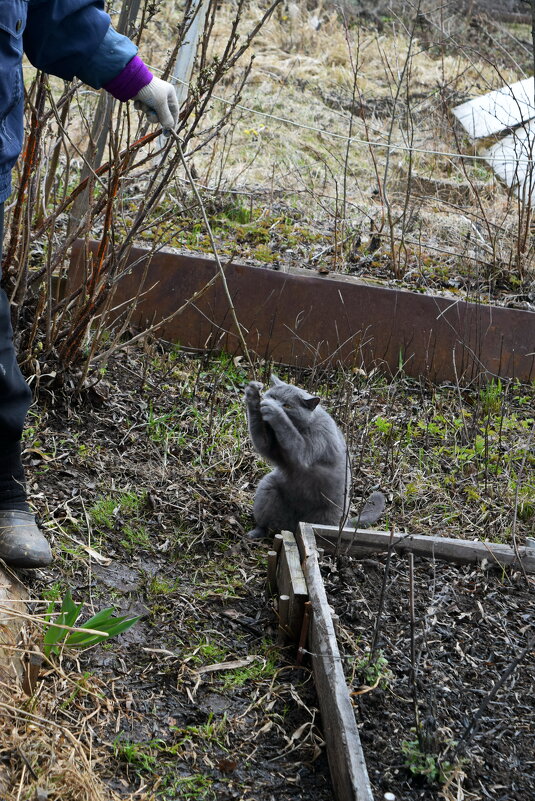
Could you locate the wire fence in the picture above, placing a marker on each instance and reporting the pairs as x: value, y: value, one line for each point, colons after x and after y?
x: 356, y: 140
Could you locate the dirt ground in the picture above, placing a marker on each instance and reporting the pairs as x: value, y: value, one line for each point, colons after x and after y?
x: 471, y: 625
x: 153, y: 471
x: 164, y: 724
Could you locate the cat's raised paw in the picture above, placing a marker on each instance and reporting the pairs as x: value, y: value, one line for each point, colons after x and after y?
x: 253, y: 390
x: 269, y: 409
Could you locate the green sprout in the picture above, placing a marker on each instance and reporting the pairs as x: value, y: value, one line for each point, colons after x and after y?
x: 428, y: 766
x: 56, y: 636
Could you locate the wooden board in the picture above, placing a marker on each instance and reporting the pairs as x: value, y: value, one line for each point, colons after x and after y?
x: 512, y: 160
x: 12, y: 596
x: 497, y: 111
x: 344, y: 751
x: 360, y: 542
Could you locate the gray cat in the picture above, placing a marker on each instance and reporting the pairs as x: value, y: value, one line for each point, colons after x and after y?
x: 311, y: 481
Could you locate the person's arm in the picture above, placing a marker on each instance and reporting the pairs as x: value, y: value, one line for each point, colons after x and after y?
x: 74, y: 38
x: 62, y: 37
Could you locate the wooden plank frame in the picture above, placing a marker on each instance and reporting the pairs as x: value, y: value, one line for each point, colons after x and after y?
x: 362, y: 542
x: 347, y: 765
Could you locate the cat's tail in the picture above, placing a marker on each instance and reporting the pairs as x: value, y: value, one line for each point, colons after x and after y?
x: 371, y: 512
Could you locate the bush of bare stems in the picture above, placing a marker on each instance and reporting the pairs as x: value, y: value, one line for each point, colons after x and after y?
x: 92, y: 169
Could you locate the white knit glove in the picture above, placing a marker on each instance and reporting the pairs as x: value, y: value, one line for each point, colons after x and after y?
x: 158, y: 101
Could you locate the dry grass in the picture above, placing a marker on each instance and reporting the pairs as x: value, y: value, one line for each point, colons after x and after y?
x: 441, y: 220
x: 43, y: 745
x: 462, y: 218
x: 295, y: 64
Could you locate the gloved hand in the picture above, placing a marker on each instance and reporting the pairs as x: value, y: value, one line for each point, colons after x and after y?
x: 158, y: 101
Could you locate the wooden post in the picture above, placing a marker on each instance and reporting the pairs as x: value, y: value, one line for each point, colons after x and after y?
x: 272, y: 572
x: 344, y: 751
x: 303, y: 637
x: 291, y: 582
x: 12, y: 597
x: 284, y: 605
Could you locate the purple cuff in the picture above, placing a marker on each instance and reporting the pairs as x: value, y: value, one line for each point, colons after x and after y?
x: 130, y: 80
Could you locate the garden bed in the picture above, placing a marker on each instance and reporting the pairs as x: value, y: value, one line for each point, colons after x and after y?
x: 471, y: 626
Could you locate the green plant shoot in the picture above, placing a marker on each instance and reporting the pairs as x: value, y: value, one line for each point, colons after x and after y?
x: 104, y: 621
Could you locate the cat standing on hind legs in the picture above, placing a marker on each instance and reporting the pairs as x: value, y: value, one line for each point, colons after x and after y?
x: 311, y: 481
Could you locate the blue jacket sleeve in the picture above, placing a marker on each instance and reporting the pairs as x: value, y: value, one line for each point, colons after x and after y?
x: 110, y: 59
x: 71, y: 38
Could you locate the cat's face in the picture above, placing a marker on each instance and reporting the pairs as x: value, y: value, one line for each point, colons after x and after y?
x: 298, y: 404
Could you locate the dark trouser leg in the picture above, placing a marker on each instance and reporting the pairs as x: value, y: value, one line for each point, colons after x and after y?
x: 12, y: 479
x: 15, y: 399
x: 21, y: 542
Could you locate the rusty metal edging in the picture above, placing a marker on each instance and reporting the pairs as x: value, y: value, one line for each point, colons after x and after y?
x: 304, y: 319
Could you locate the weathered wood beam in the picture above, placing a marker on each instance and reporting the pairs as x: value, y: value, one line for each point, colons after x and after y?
x: 291, y: 582
x: 12, y: 600
x: 362, y: 542
x: 344, y: 751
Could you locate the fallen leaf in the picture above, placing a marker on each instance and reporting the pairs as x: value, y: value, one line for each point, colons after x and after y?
x: 227, y: 765
x: 298, y: 733
x: 232, y: 665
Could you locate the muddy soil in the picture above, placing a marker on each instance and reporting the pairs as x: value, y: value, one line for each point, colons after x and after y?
x: 471, y: 628
x: 151, y: 468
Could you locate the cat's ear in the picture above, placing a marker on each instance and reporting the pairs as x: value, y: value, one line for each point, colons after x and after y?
x: 274, y: 380
x: 310, y: 403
